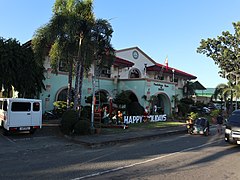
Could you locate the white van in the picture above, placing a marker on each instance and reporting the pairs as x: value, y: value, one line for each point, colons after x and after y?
x: 19, y: 114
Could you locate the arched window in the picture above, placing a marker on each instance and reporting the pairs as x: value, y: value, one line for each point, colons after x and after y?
x: 134, y: 73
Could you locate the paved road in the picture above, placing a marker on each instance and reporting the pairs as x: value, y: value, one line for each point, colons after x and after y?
x: 47, y: 155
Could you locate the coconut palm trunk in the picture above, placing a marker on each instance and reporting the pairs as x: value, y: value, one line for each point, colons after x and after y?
x: 80, y: 86
x: 78, y: 74
x: 69, y: 92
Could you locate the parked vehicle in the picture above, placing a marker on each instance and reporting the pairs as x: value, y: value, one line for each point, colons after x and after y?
x: 201, y: 126
x: 50, y: 115
x: 206, y: 110
x: 232, y: 130
x: 18, y: 114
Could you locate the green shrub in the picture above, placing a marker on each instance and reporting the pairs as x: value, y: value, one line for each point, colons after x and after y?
x: 135, y: 109
x: 82, y: 127
x: 86, y: 112
x: 61, y: 107
x: 69, y: 119
x: 214, y: 113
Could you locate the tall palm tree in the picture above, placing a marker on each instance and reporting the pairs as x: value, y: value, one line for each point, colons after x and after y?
x: 74, y: 36
x: 61, y: 36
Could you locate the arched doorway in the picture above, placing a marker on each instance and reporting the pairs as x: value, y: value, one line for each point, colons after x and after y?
x: 162, y: 102
x: 133, y: 108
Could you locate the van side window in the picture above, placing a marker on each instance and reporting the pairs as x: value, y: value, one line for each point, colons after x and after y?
x: 21, y: 106
x: 36, y: 106
x: 5, y: 105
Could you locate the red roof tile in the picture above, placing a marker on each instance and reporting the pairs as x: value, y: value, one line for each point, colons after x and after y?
x: 158, y: 67
x: 119, y: 62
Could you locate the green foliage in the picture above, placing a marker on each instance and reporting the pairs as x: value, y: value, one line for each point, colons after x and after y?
x: 184, y: 106
x: 61, y: 107
x: 20, y: 69
x: 215, y: 113
x: 69, y: 119
x: 135, y: 109
x: 188, y: 101
x: 224, y: 51
x: 122, y: 98
x: 193, y: 115
x: 86, y: 112
x: 74, y: 36
x: 82, y: 127
x: 103, y: 98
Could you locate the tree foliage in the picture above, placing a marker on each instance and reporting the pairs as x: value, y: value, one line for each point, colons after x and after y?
x: 74, y: 36
x: 224, y: 50
x: 122, y: 98
x: 19, y: 69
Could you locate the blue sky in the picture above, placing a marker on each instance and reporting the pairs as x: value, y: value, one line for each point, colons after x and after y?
x: 160, y: 28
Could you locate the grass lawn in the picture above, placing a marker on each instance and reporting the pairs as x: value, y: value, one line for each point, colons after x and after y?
x: 141, y: 126
x: 151, y: 125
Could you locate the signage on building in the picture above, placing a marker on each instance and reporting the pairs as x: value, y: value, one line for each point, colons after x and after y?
x: 139, y: 119
x: 159, y: 85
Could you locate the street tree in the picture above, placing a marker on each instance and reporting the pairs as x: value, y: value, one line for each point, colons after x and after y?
x: 224, y: 51
x: 16, y: 65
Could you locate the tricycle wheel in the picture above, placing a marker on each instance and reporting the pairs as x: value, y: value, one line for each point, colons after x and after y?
x: 206, y: 133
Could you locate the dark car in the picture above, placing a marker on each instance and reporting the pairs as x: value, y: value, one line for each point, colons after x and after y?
x: 232, y: 130
x: 201, y: 126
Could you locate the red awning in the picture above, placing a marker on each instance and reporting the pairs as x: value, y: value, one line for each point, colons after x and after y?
x: 160, y: 67
x: 119, y: 62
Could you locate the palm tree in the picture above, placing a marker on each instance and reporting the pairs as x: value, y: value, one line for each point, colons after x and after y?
x: 221, y: 93
x: 227, y: 91
x: 75, y: 37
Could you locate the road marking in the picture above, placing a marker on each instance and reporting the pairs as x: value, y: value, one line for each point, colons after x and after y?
x: 144, y: 162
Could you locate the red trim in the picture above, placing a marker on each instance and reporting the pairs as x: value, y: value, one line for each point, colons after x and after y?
x: 122, y: 62
x: 158, y: 67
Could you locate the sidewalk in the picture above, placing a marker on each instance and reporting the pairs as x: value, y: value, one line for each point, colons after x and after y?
x: 102, y: 139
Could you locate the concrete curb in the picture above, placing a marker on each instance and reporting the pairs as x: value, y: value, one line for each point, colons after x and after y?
x: 123, y: 139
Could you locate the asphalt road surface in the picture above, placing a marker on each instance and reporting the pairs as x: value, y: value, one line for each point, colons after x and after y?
x: 48, y: 155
